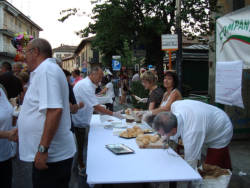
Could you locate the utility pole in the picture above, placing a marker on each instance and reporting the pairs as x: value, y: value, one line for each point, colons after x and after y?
x: 179, y: 52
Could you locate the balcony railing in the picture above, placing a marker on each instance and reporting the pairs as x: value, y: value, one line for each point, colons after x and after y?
x: 7, y: 32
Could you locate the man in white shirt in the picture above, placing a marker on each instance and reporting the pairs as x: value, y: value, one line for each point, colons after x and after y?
x: 136, y: 77
x: 44, y: 120
x: 198, y: 124
x: 84, y: 91
x: 108, y: 92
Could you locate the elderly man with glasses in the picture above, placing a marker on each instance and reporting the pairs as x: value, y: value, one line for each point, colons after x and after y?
x: 198, y: 124
x: 44, y: 120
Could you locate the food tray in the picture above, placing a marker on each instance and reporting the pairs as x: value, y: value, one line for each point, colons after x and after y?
x: 119, y: 149
x: 126, y: 137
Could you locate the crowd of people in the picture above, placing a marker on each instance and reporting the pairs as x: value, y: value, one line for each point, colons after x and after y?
x: 52, y: 106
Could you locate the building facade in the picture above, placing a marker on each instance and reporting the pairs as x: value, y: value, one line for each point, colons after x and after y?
x: 64, y: 51
x: 69, y: 64
x: 83, y: 57
x: 13, y: 21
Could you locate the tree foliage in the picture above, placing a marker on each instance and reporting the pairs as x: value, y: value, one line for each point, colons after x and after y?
x: 141, y: 23
x: 67, y: 13
x: 126, y: 55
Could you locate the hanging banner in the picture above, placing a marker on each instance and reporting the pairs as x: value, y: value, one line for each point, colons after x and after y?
x: 228, y: 83
x: 233, y: 37
x: 232, y: 55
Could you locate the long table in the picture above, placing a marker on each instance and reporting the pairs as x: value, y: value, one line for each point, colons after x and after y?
x: 145, y: 165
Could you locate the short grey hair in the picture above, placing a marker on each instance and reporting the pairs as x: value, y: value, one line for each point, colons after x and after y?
x: 94, y: 69
x: 165, y: 120
x: 149, y: 119
x: 43, y: 46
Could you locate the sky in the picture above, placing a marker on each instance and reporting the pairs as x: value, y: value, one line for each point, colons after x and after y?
x: 46, y: 13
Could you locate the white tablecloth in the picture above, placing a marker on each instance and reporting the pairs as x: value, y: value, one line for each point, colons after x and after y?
x: 145, y: 165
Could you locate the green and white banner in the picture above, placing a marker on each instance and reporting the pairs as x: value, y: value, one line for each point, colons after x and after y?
x: 233, y: 37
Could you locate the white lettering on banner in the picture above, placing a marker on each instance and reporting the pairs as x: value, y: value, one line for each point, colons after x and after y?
x: 228, y: 83
x: 233, y: 37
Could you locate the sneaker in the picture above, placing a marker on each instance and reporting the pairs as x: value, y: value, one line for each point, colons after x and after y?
x: 82, y: 171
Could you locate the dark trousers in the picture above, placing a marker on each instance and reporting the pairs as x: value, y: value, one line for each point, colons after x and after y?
x: 57, y: 175
x: 6, y: 173
x: 80, y: 138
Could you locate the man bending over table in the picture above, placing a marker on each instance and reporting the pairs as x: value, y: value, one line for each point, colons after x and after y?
x: 84, y: 91
x: 198, y: 124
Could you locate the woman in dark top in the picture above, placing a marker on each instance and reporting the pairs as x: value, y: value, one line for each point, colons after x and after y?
x: 149, y: 81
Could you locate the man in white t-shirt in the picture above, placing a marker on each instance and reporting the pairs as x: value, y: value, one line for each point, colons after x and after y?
x: 108, y: 92
x: 44, y: 120
x: 84, y: 91
x: 198, y: 124
x: 136, y: 77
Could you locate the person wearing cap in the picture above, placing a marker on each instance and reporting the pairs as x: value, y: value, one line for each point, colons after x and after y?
x: 198, y: 124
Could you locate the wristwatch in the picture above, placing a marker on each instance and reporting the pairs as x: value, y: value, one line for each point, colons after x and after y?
x: 42, y: 149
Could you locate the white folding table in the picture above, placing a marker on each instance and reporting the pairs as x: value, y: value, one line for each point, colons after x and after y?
x: 145, y: 165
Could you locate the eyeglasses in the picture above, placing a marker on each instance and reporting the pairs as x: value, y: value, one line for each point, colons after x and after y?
x: 26, y: 51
